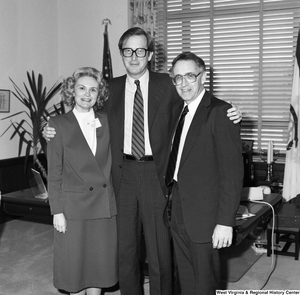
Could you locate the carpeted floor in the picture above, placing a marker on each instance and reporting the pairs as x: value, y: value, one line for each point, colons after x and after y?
x: 286, y: 275
x: 237, y: 260
x: 26, y: 263
x: 26, y: 259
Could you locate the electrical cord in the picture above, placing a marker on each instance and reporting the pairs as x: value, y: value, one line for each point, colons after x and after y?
x: 272, y: 266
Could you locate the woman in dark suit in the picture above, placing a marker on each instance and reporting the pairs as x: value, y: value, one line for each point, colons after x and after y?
x: 81, y: 195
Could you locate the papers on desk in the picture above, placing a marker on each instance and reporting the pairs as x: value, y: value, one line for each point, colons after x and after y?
x: 243, y: 213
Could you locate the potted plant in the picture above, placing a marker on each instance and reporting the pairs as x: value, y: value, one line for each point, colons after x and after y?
x: 35, y: 99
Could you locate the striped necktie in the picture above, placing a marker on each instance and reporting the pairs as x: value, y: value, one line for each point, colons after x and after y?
x: 138, y: 141
x: 175, y: 147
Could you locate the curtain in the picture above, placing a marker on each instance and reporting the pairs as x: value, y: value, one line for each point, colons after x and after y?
x: 143, y: 15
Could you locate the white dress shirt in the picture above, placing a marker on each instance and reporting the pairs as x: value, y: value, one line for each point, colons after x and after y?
x: 186, y: 126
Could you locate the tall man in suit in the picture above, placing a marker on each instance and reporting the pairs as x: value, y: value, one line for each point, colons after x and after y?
x: 139, y: 179
x: 205, y: 173
x: 139, y: 183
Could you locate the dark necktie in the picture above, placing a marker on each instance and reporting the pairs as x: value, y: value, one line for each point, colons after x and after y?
x: 138, y: 141
x: 175, y: 146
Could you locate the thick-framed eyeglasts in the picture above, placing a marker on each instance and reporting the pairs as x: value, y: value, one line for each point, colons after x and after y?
x: 189, y: 77
x: 139, y: 52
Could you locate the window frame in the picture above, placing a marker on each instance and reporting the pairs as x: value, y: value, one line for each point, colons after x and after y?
x: 267, y: 117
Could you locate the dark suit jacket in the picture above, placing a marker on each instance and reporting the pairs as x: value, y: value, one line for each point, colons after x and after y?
x: 79, y: 183
x: 210, y: 176
x: 162, y: 96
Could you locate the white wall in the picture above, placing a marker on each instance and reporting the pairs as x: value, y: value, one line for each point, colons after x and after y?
x: 80, y: 35
x: 54, y: 38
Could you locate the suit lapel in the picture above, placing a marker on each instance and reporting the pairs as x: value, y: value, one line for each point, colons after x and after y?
x: 99, y: 132
x: 79, y: 140
x: 196, y: 125
x: 155, y: 94
x: 117, y: 102
x: 81, y: 143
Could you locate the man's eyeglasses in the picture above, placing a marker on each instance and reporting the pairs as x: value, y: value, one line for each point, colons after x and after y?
x: 139, y: 52
x: 189, y: 77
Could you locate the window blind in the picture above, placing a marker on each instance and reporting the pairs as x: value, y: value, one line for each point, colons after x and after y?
x: 248, y: 47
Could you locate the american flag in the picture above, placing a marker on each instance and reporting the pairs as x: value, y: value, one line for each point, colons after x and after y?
x: 106, y: 64
x: 291, y: 184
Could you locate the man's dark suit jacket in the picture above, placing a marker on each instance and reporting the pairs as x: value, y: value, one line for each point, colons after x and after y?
x: 162, y: 96
x: 210, y: 176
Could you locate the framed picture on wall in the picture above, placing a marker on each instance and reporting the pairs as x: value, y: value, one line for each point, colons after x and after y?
x: 4, y: 101
x: 247, y: 145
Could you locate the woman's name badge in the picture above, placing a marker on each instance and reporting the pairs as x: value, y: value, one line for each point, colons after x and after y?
x: 97, y: 123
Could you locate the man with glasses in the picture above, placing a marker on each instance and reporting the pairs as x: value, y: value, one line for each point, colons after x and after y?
x: 140, y: 120
x: 139, y: 178
x: 204, y: 176
x: 139, y: 183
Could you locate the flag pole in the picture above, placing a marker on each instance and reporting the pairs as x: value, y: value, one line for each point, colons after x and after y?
x: 106, y: 63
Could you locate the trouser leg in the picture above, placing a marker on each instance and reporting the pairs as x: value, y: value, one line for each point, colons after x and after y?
x: 198, y: 263
x: 140, y: 205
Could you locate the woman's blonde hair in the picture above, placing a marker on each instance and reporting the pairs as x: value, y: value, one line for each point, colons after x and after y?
x: 67, y: 92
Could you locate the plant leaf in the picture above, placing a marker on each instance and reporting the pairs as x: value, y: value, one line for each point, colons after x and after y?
x: 18, y: 127
x: 35, y: 100
x: 18, y: 113
x: 27, y: 153
x: 32, y: 83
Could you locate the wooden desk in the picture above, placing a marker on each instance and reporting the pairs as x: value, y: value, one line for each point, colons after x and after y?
x: 23, y: 203
x: 263, y: 214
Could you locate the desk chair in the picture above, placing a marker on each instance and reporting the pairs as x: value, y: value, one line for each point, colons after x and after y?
x: 288, y: 235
